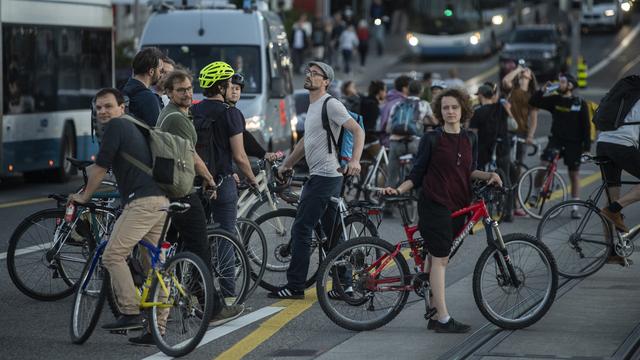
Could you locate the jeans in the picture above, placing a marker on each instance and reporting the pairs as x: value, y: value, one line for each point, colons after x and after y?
x: 315, y: 204
x: 398, y: 148
x: 224, y: 211
x: 192, y: 228
x: 347, y: 54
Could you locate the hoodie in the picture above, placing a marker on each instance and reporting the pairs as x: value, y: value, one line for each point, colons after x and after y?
x: 393, y: 97
x: 143, y: 103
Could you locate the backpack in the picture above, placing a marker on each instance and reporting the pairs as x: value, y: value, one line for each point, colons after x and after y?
x: 405, y: 118
x: 204, y: 125
x: 617, y: 103
x: 344, y: 145
x: 173, y: 166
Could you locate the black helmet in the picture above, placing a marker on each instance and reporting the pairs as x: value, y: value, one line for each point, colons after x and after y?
x: 238, y: 79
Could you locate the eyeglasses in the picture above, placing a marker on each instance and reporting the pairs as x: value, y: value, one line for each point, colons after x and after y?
x: 184, y: 91
x: 311, y: 73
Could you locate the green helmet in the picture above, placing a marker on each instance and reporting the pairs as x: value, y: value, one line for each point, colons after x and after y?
x: 214, y: 72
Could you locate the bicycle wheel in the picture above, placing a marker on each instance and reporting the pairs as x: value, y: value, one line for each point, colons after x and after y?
x: 378, y: 179
x: 515, y: 306
x: 181, y: 320
x: 89, y: 300
x: 497, y: 202
x: 580, y: 246
x: 46, y: 255
x: 276, y: 226
x: 230, y: 265
x: 379, y: 293
x: 356, y: 225
x: 536, y: 201
x: 255, y: 245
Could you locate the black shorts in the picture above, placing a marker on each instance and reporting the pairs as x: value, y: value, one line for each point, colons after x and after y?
x: 622, y: 157
x: 437, y: 227
x: 569, y: 151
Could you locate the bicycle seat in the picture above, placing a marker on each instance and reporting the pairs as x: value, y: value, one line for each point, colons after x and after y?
x: 178, y: 207
x: 80, y: 164
x: 599, y: 160
x: 405, y: 158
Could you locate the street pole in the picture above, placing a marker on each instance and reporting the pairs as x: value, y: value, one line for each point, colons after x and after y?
x: 576, y: 8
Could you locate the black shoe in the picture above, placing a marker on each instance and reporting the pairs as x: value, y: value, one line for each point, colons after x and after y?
x: 144, y: 339
x: 125, y: 322
x: 431, y: 324
x: 451, y: 326
x: 286, y: 293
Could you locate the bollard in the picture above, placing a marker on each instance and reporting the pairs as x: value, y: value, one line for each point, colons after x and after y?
x: 582, y: 73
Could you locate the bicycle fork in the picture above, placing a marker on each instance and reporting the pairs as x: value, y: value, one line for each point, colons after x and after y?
x: 507, y: 274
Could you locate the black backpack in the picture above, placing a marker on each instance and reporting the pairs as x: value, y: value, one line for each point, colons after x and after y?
x: 205, y: 129
x: 617, y: 103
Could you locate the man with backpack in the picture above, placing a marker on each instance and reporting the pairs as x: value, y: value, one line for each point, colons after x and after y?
x: 406, y: 123
x: 570, y: 131
x: 325, y: 181
x: 618, y: 119
x: 148, y: 69
x: 141, y: 196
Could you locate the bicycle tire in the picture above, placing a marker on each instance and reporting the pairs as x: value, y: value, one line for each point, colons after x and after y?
x: 47, y: 223
x: 188, y: 304
x: 255, y: 245
x: 80, y: 334
x: 368, y: 229
x: 355, y: 252
x: 525, y: 186
x: 539, y: 305
x: 576, y: 256
x: 229, y: 260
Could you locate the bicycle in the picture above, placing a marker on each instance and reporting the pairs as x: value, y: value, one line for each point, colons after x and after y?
x: 250, y: 200
x: 180, y: 285
x: 47, y: 253
x: 581, y: 246
x: 349, y: 222
x: 512, y: 266
x: 552, y: 188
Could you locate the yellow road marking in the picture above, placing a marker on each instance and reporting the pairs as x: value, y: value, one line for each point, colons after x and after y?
x: 24, y: 202
x: 292, y: 309
x: 583, y: 182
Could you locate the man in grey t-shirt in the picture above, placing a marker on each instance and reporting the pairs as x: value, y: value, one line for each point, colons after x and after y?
x: 325, y: 179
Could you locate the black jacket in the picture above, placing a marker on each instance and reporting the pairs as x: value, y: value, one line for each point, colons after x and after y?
x: 144, y: 104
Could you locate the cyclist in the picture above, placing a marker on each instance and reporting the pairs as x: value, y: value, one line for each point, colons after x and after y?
x: 437, y: 87
x: 622, y: 147
x: 139, y: 193
x: 370, y: 108
x: 325, y: 179
x: 220, y: 141
x: 570, y: 132
x: 168, y: 65
x: 144, y: 104
x: 396, y: 95
x: 445, y: 165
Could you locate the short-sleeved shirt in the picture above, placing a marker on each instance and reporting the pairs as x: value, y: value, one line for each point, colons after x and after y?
x: 174, y: 121
x: 491, y: 122
x: 625, y: 135
x: 122, y: 136
x: 320, y: 161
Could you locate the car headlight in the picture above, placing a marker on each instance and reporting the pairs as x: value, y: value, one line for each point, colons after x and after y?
x: 625, y: 6
x: 497, y: 20
x: 412, y: 39
x: 547, y: 54
x: 609, y: 12
x: 474, y: 39
x: 255, y: 122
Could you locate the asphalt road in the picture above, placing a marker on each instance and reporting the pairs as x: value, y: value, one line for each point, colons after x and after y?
x: 39, y: 330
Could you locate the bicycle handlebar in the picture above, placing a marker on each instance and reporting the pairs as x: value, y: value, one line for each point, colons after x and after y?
x: 535, y: 146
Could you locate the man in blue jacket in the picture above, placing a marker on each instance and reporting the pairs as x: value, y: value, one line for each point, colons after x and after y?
x: 147, y: 69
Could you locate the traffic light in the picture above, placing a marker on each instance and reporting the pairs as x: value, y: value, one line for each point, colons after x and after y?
x: 448, y: 10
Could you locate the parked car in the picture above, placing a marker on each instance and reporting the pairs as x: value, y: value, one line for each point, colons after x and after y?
x: 609, y: 14
x: 542, y: 48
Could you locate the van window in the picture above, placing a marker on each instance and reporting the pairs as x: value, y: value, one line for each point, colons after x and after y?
x: 243, y: 59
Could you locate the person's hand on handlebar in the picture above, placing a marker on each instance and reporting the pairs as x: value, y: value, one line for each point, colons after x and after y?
x: 82, y: 198
x: 390, y: 191
x: 494, y: 179
x: 351, y: 169
x: 283, y: 173
x: 271, y: 157
x: 210, y: 188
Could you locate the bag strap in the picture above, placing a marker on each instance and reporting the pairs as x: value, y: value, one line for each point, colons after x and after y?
x: 159, y: 124
x: 327, y: 128
x: 133, y: 161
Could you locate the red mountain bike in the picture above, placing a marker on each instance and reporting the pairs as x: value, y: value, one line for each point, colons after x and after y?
x: 514, y: 281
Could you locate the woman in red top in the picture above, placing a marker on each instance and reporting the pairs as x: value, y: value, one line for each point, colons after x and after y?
x: 444, y: 172
x: 363, y: 37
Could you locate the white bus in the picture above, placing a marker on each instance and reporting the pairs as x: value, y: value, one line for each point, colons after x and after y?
x: 55, y: 57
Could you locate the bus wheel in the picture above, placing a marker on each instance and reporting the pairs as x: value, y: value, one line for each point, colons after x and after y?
x: 67, y: 149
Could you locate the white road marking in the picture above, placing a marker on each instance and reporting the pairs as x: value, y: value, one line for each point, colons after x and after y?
x: 26, y: 250
x: 615, y: 53
x: 227, y: 328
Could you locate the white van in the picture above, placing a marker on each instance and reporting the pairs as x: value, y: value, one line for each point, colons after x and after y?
x: 253, y: 42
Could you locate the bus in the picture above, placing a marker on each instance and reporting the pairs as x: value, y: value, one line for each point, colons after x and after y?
x: 444, y: 28
x: 56, y: 54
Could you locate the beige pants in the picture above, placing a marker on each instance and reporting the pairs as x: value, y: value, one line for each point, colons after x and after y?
x: 140, y: 219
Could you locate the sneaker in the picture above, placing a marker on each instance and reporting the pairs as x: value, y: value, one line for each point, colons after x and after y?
x: 519, y: 212
x: 286, y: 293
x: 431, y: 324
x: 575, y: 214
x: 615, y: 218
x: 227, y: 314
x: 533, y: 201
x: 125, y: 322
x: 452, y: 326
x: 143, y: 339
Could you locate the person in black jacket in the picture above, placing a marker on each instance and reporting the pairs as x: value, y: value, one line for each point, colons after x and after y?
x: 570, y: 131
x: 370, y: 108
x: 148, y: 68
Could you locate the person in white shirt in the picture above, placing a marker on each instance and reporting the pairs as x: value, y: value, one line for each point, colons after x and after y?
x: 348, y: 42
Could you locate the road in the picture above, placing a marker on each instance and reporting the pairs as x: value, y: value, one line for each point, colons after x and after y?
x: 290, y: 329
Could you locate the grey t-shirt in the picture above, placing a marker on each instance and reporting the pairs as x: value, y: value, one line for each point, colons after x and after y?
x: 625, y: 135
x: 320, y: 161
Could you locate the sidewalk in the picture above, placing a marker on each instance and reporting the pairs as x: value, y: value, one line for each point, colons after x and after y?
x: 596, y: 318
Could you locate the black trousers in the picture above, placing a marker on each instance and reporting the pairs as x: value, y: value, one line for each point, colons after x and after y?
x: 191, y: 229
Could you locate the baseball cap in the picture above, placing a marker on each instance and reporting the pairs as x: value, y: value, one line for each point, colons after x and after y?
x: 570, y: 78
x: 439, y: 84
x: 487, y: 90
x: 326, y: 69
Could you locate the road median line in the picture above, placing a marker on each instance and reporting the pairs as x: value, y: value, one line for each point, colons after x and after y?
x: 24, y: 202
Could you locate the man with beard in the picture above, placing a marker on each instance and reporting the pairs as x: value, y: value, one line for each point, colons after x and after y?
x: 570, y: 132
x: 148, y: 68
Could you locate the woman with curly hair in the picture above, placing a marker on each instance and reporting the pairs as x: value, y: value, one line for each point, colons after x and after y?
x: 444, y: 167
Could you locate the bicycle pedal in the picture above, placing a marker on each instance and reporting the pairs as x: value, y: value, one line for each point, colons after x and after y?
x: 430, y: 313
x: 119, y: 332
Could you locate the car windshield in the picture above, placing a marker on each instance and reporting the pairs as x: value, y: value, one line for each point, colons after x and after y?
x: 532, y: 36
x: 243, y: 59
